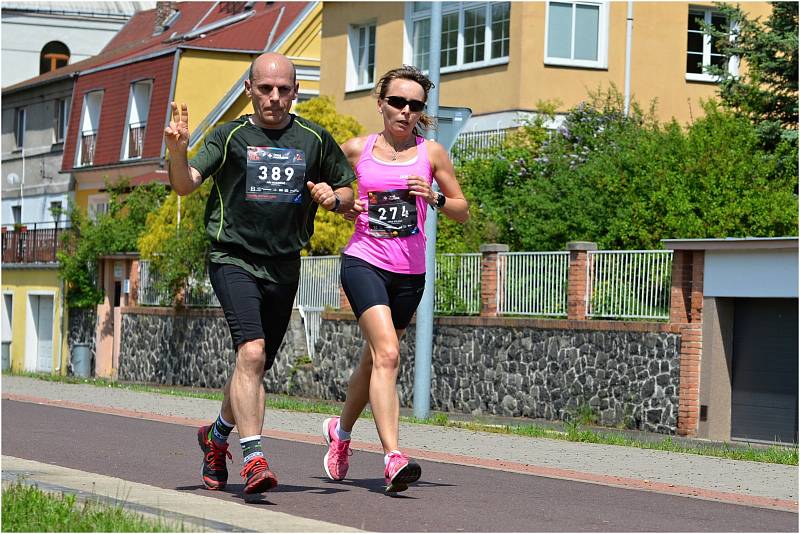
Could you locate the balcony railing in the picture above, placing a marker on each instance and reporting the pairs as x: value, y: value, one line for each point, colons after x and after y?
x: 88, y: 143
x: 136, y: 140
x: 31, y: 243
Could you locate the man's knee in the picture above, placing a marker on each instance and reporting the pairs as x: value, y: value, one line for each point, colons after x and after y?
x: 251, y: 356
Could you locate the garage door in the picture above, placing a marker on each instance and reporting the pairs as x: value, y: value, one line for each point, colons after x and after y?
x: 764, y: 392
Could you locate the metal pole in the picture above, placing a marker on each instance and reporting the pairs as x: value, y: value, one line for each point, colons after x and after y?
x: 628, y: 37
x: 424, y: 324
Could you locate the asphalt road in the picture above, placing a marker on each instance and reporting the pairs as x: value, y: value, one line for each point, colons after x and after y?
x: 448, y: 498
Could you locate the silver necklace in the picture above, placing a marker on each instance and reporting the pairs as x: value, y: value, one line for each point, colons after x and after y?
x: 394, y: 151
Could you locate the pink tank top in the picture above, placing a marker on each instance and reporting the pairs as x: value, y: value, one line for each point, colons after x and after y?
x: 390, y: 234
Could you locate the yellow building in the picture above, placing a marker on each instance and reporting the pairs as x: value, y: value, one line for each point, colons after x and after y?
x: 34, y: 319
x: 502, y: 59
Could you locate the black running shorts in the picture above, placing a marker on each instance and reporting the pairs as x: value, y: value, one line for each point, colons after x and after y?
x: 366, y: 285
x: 254, y: 308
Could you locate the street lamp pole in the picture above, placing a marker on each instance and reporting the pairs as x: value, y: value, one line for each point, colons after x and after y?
x: 424, y: 323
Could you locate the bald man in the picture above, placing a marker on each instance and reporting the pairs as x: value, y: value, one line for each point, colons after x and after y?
x: 271, y: 170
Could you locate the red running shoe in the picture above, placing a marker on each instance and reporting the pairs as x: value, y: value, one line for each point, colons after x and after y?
x: 257, y: 476
x: 215, y: 471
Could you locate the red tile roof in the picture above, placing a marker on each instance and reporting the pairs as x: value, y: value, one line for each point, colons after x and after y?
x: 135, y: 54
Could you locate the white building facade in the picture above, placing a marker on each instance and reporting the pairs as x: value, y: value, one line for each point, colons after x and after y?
x: 77, y: 30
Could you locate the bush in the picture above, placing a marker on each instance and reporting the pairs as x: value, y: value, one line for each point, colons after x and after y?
x: 113, y: 232
x: 628, y: 182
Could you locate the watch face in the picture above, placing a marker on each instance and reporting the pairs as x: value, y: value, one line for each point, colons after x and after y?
x: 440, y: 200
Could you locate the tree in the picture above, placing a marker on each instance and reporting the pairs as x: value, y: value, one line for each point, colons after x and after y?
x: 115, y: 231
x: 331, y: 231
x: 626, y: 182
x: 766, y: 90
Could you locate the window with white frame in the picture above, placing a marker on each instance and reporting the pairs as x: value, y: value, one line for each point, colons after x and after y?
x: 97, y: 205
x: 138, y: 106
x: 90, y: 124
x: 361, y: 59
x: 474, y: 34
x: 701, y: 50
x: 19, y: 127
x: 576, y: 34
x: 60, y: 120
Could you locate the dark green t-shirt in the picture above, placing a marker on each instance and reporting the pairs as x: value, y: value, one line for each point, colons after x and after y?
x: 260, y: 213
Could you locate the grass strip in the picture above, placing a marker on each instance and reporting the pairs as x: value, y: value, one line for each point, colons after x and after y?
x: 26, y: 508
x: 573, y: 431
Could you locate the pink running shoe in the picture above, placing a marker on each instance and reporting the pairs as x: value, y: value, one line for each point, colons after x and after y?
x: 400, y: 472
x: 336, y: 460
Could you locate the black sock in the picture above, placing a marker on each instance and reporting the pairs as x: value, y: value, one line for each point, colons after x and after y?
x: 251, y: 448
x: 220, y: 431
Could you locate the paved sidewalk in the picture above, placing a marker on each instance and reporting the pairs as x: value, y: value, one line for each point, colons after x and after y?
x: 743, y: 482
x: 176, y: 508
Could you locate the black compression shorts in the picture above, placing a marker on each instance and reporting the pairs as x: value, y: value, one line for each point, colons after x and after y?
x: 366, y: 285
x: 254, y: 308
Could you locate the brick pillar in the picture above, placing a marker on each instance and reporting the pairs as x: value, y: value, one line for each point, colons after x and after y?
x: 489, y: 277
x: 576, y: 285
x: 687, y: 309
x: 133, y: 297
x: 344, y: 304
x: 681, y: 290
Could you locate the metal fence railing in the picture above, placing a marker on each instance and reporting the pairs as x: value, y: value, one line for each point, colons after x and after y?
x: 532, y: 283
x: 200, y: 294
x: 31, y: 243
x: 619, y: 284
x: 458, y: 284
x: 319, y: 282
x: 629, y: 284
x: 149, y: 294
x: 471, y: 144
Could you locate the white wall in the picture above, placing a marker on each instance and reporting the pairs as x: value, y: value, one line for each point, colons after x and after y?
x: 751, y: 273
x: 34, y: 208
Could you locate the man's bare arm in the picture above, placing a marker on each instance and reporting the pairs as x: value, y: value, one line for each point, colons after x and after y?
x: 183, y: 178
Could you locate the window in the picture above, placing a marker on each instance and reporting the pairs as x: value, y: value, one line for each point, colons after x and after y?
x: 19, y: 127
x: 361, y: 60
x: 54, y: 55
x: 16, y: 214
x: 61, y: 118
x: 576, y: 34
x: 701, y: 51
x: 138, y: 106
x: 87, y: 134
x: 474, y: 34
x: 98, y: 205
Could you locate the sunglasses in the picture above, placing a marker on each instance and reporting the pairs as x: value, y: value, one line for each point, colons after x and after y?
x: 398, y: 102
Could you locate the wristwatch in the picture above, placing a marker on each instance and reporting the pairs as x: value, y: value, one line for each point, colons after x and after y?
x: 440, y: 199
x: 337, y: 204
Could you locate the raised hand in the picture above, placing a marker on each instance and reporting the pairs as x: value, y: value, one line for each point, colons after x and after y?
x: 176, y: 135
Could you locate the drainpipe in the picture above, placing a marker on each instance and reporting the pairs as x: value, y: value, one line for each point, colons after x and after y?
x: 628, y: 37
x: 61, y: 323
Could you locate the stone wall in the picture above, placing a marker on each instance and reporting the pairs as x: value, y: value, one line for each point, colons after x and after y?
x: 194, y: 348
x: 628, y: 373
x: 628, y: 378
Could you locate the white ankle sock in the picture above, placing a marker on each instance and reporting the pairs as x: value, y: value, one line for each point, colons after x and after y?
x: 341, y: 434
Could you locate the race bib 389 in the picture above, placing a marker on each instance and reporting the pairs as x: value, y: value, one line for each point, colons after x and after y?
x: 275, y: 174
